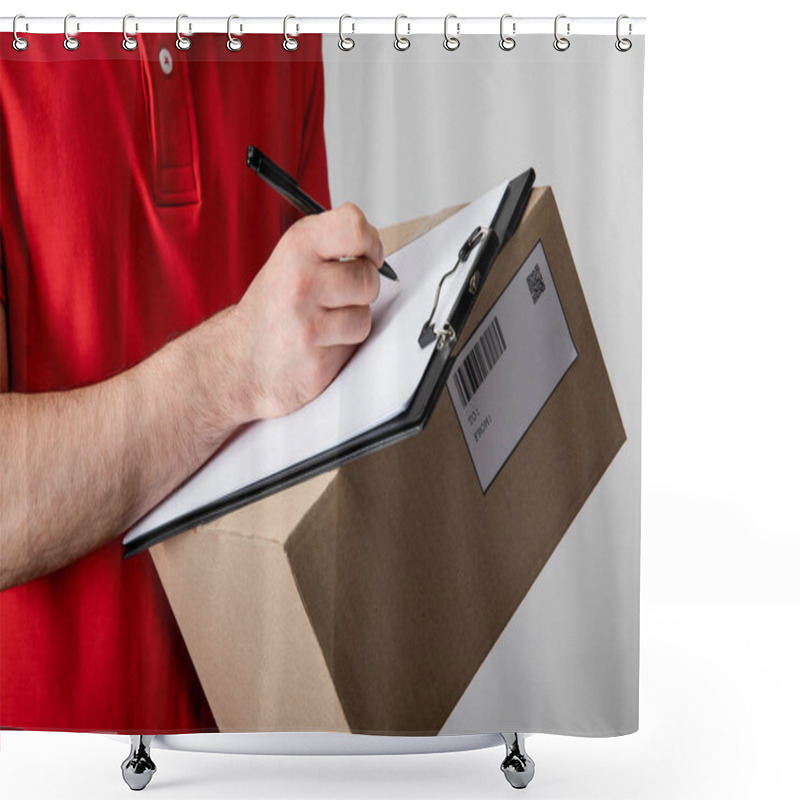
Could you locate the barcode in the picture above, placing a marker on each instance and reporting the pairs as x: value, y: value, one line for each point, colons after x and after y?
x: 479, y: 361
x: 536, y: 283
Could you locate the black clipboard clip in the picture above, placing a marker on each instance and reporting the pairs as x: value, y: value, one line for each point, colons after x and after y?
x: 490, y: 241
x: 430, y: 333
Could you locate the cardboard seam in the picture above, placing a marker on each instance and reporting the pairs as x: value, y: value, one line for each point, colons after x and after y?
x: 236, y: 534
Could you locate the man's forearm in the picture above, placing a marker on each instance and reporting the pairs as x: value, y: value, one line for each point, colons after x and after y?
x: 79, y: 467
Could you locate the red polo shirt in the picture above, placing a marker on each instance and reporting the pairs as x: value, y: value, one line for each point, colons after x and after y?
x: 127, y: 215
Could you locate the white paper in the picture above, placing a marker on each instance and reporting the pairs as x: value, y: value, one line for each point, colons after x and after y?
x: 375, y: 385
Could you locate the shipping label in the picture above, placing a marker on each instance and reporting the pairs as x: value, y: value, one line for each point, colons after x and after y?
x: 512, y: 363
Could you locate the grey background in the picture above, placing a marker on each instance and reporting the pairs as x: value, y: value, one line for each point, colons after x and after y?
x: 411, y: 132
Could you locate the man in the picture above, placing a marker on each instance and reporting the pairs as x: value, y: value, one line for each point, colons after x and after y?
x: 155, y: 295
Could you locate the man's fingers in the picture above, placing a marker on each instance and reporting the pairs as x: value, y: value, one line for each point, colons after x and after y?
x: 343, y: 232
x: 346, y: 283
x: 337, y: 326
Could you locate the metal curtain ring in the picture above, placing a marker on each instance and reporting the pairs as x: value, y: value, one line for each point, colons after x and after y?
x: 346, y: 42
x: 289, y: 43
x: 451, y: 42
x: 70, y: 42
x: 234, y: 44
x: 19, y: 43
x: 128, y: 42
x: 623, y: 44
x: 561, y: 43
x: 182, y: 42
x: 507, y: 42
x: 401, y: 42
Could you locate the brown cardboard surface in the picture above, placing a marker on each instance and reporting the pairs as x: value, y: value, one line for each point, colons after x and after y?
x: 233, y: 593
x: 367, y: 598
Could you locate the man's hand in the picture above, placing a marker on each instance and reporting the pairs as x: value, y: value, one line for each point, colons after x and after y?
x: 306, y: 311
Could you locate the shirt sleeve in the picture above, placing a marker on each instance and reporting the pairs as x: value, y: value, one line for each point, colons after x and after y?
x: 313, y: 171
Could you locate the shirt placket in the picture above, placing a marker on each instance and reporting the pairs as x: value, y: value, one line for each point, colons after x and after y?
x: 172, y: 123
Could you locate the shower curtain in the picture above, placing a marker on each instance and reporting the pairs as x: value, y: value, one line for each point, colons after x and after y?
x: 265, y: 466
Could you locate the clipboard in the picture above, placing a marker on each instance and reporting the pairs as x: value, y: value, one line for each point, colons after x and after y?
x: 487, y: 244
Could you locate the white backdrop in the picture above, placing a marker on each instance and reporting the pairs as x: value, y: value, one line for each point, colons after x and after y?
x: 719, y: 698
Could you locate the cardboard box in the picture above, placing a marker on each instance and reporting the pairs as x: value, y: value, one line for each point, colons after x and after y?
x: 366, y: 599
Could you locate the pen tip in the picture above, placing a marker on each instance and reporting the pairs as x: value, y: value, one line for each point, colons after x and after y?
x: 388, y: 272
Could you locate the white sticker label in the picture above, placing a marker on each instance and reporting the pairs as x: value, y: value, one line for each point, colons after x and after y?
x: 510, y: 366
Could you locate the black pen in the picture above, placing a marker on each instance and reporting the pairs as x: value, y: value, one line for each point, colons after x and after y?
x: 286, y: 186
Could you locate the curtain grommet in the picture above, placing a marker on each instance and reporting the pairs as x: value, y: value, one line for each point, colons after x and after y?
x: 234, y: 44
x: 70, y: 42
x: 346, y: 43
x: 290, y: 44
x: 507, y: 42
x: 129, y: 42
x: 401, y: 43
x: 451, y: 43
x: 18, y: 43
x: 561, y: 43
x: 182, y: 42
